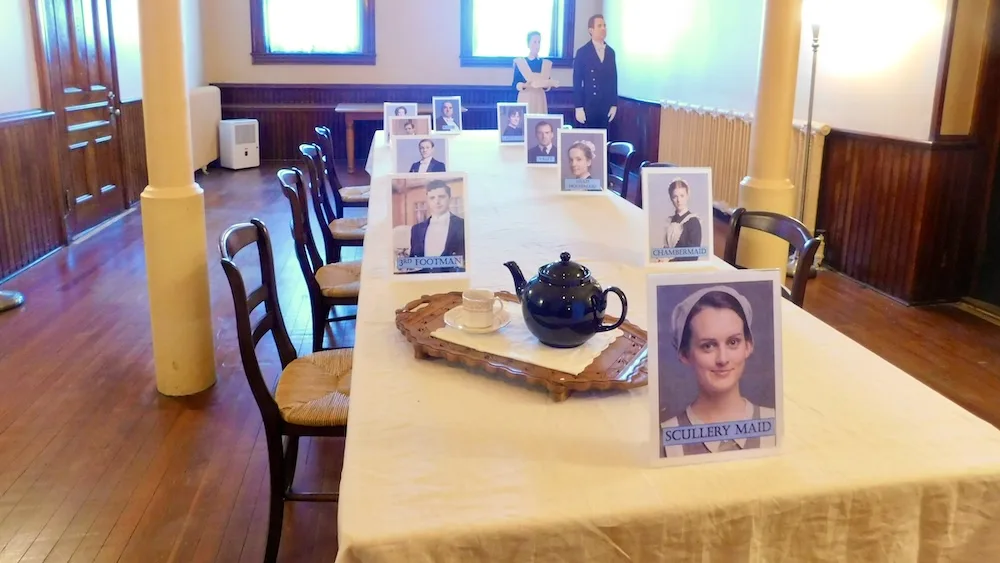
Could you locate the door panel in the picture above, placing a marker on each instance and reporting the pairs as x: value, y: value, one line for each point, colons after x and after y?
x: 88, y: 102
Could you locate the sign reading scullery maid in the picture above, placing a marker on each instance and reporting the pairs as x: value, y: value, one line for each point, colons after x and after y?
x: 714, y: 365
x: 429, y: 226
x: 678, y: 205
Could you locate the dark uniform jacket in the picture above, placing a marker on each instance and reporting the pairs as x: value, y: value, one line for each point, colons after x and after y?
x: 595, y: 83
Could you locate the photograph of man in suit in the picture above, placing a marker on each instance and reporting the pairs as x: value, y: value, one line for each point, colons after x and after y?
x: 545, y: 149
x: 446, y: 121
x: 595, y: 78
x: 441, y: 234
x: 427, y: 162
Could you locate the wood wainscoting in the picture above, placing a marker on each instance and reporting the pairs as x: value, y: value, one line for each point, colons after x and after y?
x: 133, y: 143
x: 287, y: 113
x: 903, y: 216
x: 638, y: 122
x: 32, y: 197
x: 31, y: 219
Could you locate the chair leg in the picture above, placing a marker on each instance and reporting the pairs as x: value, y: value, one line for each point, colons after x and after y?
x: 320, y: 313
x: 291, y: 458
x: 276, y: 514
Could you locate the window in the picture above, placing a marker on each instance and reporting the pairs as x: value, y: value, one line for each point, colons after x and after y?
x: 495, y: 31
x: 313, y: 31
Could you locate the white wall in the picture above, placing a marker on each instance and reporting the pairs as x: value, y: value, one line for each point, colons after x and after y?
x: 414, y: 44
x: 702, y: 52
x: 125, y: 16
x: 19, y: 91
x: 876, y: 73
x: 877, y: 69
x: 194, y: 55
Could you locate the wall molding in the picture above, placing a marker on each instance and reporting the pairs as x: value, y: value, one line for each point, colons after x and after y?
x: 902, y: 216
x: 31, y: 222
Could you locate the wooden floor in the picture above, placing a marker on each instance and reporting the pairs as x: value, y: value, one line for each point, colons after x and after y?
x: 96, y: 466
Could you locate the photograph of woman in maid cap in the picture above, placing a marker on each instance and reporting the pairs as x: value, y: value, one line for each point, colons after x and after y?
x: 715, y: 365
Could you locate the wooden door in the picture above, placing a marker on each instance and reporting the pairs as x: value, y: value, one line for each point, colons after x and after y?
x: 83, y: 79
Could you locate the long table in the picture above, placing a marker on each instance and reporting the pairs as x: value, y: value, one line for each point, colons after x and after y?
x: 443, y: 464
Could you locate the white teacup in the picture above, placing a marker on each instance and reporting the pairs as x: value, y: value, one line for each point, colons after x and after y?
x: 479, y: 306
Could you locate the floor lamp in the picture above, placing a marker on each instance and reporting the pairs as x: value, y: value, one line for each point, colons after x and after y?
x: 10, y: 300
x: 793, y: 261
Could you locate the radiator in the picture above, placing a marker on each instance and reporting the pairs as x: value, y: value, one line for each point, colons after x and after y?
x: 700, y: 136
x: 206, y: 113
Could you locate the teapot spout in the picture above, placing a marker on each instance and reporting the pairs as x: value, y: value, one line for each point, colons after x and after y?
x: 519, y: 281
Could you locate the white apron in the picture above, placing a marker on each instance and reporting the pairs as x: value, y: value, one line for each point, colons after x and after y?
x: 537, y: 83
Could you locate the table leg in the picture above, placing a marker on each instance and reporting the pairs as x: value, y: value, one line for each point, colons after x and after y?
x: 350, y: 143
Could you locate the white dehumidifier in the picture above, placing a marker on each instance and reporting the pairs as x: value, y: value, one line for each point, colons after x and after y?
x: 239, y: 145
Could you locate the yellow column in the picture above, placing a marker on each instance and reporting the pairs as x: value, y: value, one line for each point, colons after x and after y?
x: 173, y: 211
x: 766, y: 186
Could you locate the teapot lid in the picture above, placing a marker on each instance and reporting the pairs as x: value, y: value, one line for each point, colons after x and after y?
x: 565, y: 272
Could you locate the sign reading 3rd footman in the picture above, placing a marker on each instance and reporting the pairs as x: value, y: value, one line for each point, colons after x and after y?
x: 678, y: 206
x: 429, y: 223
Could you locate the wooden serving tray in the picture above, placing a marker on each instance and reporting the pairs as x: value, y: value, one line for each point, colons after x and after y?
x: 621, y: 366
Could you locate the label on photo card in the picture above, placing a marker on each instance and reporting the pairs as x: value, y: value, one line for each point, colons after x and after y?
x: 737, y: 430
x: 411, y: 264
x: 585, y: 185
x: 512, y: 138
x: 545, y: 159
x: 689, y: 252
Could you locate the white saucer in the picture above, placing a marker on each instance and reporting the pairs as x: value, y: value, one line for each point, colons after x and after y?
x: 455, y: 317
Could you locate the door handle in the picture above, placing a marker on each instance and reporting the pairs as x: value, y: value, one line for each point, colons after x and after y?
x: 114, y: 111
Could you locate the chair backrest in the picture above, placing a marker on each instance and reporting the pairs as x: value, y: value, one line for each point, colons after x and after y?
x: 293, y: 188
x: 624, y: 151
x: 318, y: 193
x: 782, y: 226
x: 232, y: 241
x: 327, y: 150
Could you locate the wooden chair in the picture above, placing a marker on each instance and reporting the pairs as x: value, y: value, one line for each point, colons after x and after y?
x: 626, y: 152
x: 351, y: 196
x: 311, y: 394
x: 329, y: 285
x: 339, y: 231
x: 649, y: 164
x: 784, y: 227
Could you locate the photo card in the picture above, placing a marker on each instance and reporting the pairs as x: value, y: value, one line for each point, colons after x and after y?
x: 715, y: 366
x: 420, y: 154
x: 584, y: 160
x: 429, y: 223
x: 447, y: 114
x: 407, y: 126
x: 396, y: 109
x: 510, y: 122
x: 678, y: 207
x: 541, y: 133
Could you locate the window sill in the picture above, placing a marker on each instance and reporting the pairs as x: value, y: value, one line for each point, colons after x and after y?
x: 312, y: 59
x: 470, y: 61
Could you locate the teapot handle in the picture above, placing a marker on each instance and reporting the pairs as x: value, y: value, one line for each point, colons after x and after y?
x: 618, y: 323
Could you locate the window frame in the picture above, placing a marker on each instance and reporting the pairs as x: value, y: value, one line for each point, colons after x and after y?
x: 467, y: 59
x: 260, y: 54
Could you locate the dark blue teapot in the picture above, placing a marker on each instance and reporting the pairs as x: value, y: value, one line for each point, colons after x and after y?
x: 563, y: 306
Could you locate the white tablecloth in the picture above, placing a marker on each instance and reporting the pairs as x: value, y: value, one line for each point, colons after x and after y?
x: 447, y: 465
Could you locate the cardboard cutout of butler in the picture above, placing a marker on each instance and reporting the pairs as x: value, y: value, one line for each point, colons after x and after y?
x: 595, y: 78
